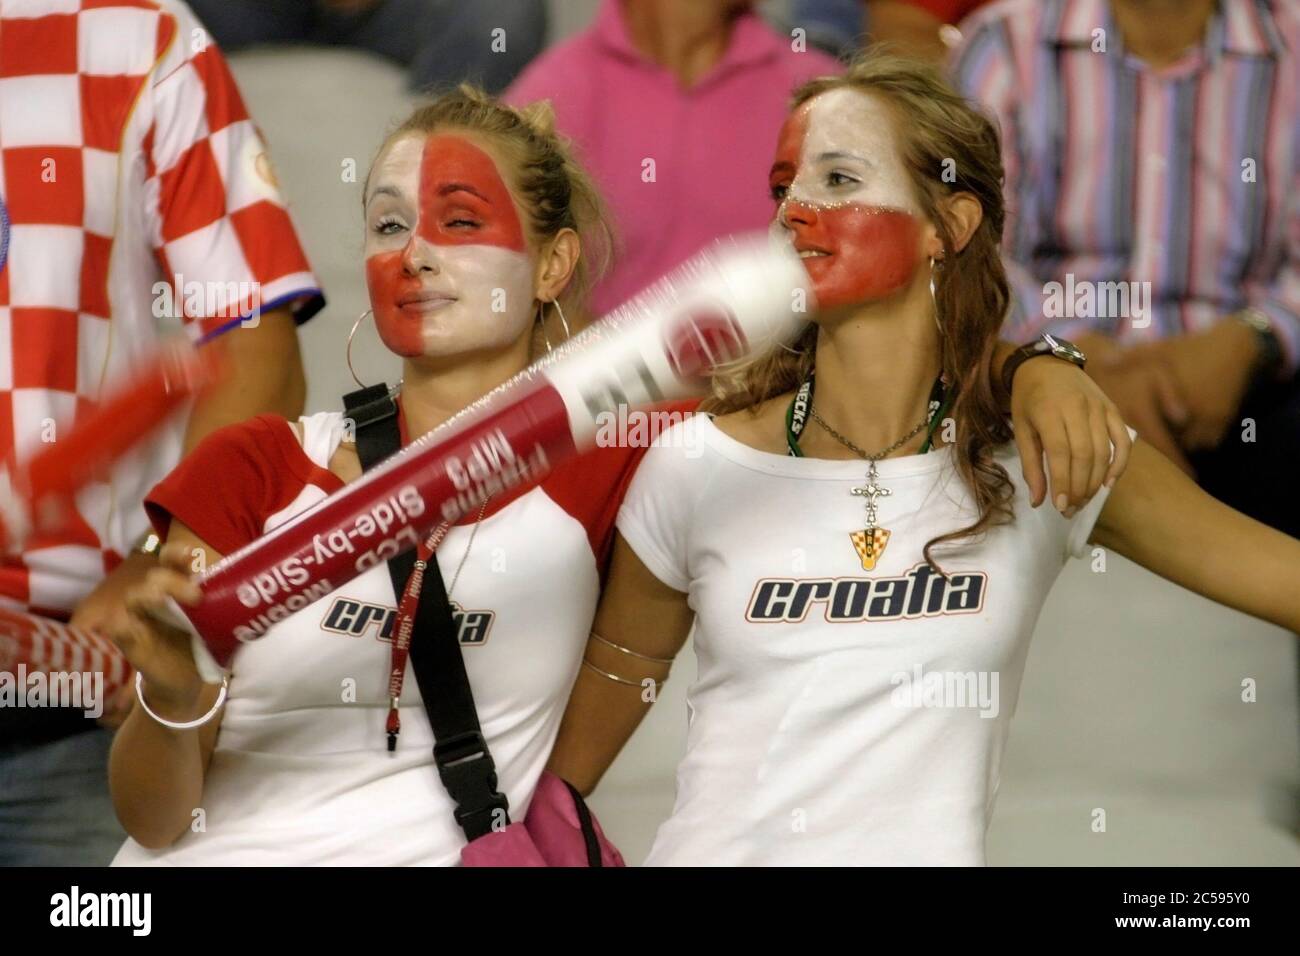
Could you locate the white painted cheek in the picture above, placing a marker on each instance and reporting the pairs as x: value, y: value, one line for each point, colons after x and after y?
x: 494, y: 290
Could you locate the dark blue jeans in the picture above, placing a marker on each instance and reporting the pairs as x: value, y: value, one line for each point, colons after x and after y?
x: 54, y: 804
x: 441, y: 42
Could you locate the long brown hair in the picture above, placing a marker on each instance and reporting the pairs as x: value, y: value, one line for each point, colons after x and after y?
x: 948, y: 147
x: 555, y: 191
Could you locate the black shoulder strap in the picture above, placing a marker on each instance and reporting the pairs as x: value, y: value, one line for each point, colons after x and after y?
x: 460, y: 751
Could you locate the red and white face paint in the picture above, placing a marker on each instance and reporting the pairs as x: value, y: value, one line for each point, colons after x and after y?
x: 845, y: 199
x: 446, y: 262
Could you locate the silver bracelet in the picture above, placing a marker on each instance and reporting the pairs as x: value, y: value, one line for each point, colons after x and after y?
x: 189, y: 724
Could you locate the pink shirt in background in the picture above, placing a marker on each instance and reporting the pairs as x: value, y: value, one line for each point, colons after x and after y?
x: 711, y: 145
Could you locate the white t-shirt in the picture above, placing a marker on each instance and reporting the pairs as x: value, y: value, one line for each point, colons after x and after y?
x: 840, y: 716
x: 300, y: 774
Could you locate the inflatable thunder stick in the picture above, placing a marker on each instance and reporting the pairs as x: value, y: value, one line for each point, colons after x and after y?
x: 30, y: 644
x: 40, y: 492
x: 38, y: 495
x: 741, y: 296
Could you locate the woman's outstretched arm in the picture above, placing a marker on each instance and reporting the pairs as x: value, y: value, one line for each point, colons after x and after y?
x: 1158, y: 517
x: 649, y: 620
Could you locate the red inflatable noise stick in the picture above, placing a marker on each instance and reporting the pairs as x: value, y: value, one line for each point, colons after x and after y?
x: 736, y: 299
x: 31, y: 645
x: 41, y: 490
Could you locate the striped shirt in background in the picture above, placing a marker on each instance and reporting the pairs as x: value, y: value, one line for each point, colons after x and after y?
x: 1187, y: 178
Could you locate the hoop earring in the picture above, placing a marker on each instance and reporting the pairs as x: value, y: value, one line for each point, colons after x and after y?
x: 541, y: 321
x: 541, y: 324
x: 351, y: 335
x: 563, y: 321
x: 934, y: 300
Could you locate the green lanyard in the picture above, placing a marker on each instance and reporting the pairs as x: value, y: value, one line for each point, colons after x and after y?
x: 796, y: 416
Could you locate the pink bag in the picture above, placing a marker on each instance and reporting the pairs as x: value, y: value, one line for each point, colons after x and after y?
x: 559, y: 830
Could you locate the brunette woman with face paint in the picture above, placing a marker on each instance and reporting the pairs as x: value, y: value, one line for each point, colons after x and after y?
x: 863, y: 587
x: 475, y: 219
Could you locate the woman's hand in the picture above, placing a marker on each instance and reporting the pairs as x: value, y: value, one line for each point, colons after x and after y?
x: 1058, y: 410
x: 158, y: 651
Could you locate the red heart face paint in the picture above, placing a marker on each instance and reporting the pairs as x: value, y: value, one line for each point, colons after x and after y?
x: 845, y: 199
x: 446, y: 262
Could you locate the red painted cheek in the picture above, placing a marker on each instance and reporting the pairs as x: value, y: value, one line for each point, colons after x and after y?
x: 873, y: 254
x: 386, y: 280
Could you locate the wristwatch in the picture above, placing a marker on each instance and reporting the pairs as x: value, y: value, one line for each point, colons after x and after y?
x: 1044, y: 345
x: 1269, y: 356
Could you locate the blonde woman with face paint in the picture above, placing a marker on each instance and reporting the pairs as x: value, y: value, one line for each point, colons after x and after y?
x: 863, y: 588
x: 475, y: 220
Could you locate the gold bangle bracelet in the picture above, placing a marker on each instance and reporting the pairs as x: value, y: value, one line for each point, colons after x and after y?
x: 622, y: 680
x: 628, y: 650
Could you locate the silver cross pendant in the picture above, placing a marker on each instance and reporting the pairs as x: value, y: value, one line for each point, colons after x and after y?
x: 871, y: 491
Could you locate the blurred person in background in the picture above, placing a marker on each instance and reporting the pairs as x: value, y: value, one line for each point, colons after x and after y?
x: 834, y: 26
x: 1152, y: 159
x: 673, y: 105
x: 926, y: 29
x: 127, y: 159
x: 438, y: 41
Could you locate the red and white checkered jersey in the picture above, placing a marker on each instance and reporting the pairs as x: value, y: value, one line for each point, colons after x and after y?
x: 137, y: 195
